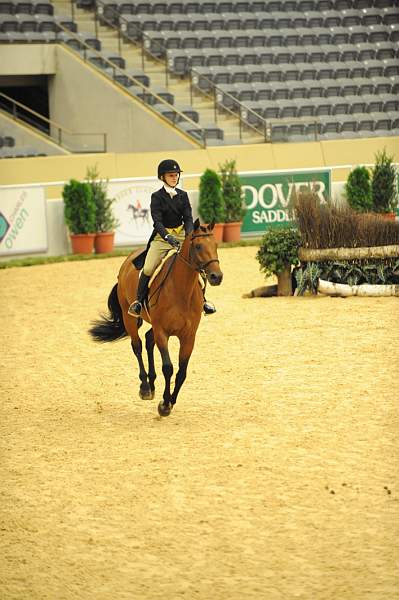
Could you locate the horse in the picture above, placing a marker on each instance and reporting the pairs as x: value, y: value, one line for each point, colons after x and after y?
x: 174, y: 308
x: 139, y: 213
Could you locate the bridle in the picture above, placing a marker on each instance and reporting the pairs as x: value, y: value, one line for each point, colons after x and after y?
x: 200, y: 267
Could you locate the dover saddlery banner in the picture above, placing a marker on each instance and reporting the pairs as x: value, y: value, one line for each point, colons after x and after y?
x: 23, y: 224
x: 132, y: 209
x: 267, y: 196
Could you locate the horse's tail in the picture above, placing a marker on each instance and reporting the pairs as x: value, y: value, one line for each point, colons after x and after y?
x: 110, y: 327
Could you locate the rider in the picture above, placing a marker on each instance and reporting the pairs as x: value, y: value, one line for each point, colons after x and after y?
x: 173, y: 221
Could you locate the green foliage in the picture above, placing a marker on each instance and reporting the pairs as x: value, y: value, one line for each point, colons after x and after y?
x: 352, y: 272
x: 307, y: 278
x: 358, y: 190
x: 210, y: 203
x: 279, y: 248
x: 105, y: 220
x: 79, y: 207
x: 383, y: 184
x: 235, y: 207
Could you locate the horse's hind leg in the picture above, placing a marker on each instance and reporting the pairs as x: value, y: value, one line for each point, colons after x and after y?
x: 149, y: 344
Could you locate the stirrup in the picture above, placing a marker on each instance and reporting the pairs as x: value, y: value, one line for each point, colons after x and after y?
x: 209, y: 308
x: 134, y: 309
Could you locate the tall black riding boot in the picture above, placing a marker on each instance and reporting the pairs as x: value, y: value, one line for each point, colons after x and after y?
x: 137, y: 305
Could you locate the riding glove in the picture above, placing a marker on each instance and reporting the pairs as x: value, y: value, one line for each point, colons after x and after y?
x: 172, y: 241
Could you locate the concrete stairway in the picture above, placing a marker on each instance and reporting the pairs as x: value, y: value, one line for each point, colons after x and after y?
x: 179, y: 87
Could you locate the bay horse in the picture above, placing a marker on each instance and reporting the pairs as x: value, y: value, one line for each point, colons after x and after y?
x: 175, y: 302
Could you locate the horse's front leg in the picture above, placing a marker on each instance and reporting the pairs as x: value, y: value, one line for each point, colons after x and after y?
x: 186, y: 348
x: 149, y: 344
x: 165, y: 406
x: 145, y: 390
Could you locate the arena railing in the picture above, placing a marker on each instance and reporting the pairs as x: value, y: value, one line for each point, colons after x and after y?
x: 52, y: 130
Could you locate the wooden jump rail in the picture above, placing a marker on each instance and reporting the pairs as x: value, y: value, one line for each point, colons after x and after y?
x: 319, y: 255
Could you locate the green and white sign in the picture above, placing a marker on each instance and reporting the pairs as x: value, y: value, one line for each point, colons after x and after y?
x: 267, y: 196
x: 23, y: 224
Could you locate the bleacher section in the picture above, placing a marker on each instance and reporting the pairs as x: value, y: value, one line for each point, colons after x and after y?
x: 313, y: 69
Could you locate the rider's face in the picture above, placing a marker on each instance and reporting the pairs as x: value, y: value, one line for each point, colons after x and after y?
x: 171, y: 179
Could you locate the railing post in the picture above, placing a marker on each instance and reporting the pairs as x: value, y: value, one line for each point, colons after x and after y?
x: 240, y: 126
x: 96, y: 20
x: 59, y: 136
x: 215, y: 112
x: 166, y: 74
x: 191, y: 88
x: 119, y: 41
x: 142, y: 53
x: 105, y: 142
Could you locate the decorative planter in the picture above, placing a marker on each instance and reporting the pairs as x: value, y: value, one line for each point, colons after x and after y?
x: 391, y: 216
x: 104, y: 242
x: 232, y: 232
x: 218, y: 232
x: 82, y: 243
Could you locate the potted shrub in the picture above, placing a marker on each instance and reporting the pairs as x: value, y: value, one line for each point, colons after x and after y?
x: 277, y: 253
x: 210, y: 203
x: 234, y: 204
x: 105, y: 220
x: 383, y: 185
x: 80, y: 215
x: 358, y: 190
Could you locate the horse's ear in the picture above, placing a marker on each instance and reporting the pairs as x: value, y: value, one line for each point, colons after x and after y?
x: 211, y: 225
x: 196, y: 224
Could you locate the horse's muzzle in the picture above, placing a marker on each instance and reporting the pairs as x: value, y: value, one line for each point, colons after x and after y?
x: 215, y: 278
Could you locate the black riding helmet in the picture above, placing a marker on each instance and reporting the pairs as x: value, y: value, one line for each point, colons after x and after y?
x: 168, y: 166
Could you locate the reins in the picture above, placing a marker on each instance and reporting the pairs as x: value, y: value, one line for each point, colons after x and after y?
x: 199, y: 268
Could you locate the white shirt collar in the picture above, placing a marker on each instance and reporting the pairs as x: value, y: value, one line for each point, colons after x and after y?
x: 170, y: 190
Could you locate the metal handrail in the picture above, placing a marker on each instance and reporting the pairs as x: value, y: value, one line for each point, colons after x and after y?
x: 243, y: 109
x: 60, y: 128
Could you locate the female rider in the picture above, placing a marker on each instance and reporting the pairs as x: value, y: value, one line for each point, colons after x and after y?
x: 172, y: 216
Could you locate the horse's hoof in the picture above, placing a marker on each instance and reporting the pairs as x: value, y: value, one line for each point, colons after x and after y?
x: 146, y: 394
x: 164, y: 410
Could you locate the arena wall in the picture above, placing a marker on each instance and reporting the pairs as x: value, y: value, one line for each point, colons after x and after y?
x: 50, y: 173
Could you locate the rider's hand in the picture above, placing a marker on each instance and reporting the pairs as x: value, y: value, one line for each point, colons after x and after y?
x: 172, y: 241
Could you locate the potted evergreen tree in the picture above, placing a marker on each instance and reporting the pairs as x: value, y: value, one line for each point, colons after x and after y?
x: 235, y: 207
x: 80, y: 215
x: 384, y: 185
x: 210, y: 202
x: 358, y: 189
x: 277, y: 253
x: 105, y: 220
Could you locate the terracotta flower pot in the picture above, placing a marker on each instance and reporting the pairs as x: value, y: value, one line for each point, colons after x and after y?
x: 104, y: 242
x: 391, y: 216
x: 232, y: 232
x: 218, y: 232
x: 82, y: 243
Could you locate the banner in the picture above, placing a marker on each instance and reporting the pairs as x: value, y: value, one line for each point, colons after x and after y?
x: 132, y: 209
x: 23, y: 224
x: 267, y: 196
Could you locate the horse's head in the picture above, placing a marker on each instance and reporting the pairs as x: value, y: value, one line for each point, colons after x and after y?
x: 204, y: 253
